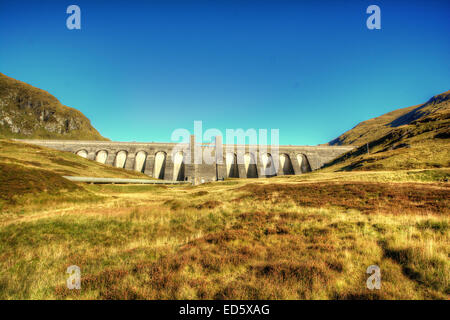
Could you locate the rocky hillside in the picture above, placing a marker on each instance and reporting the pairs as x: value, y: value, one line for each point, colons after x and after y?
x: 29, y: 112
x: 408, y: 138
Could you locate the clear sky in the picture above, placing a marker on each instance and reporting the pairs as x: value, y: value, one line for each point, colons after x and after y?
x: 312, y: 69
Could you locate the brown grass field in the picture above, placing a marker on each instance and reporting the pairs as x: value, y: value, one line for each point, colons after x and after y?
x: 295, y: 237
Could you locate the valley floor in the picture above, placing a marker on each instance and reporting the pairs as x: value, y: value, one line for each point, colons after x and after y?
x: 299, y: 237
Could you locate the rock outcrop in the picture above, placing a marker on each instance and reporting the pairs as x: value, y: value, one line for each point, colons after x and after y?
x: 29, y: 112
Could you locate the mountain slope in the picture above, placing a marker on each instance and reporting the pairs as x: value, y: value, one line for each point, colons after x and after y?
x: 408, y: 138
x: 29, y: 112
x: 369, y: 130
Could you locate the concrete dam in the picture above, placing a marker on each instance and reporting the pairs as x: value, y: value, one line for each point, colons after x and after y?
x: 199, y: 163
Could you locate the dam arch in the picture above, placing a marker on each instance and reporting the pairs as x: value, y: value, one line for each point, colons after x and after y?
x: 232, y: 166
x: 268, y: 165
x: 121, y: 158
x: 160, y: 165
x: 286, y: 164
x: 250, y: 165
x: 303, y: 163
x: 139, y: 161
x: 82, y: 153
x: 101, y: 156
x: 178, y: 166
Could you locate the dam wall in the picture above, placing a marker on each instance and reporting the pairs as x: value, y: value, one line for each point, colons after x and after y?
x: 198, y: 163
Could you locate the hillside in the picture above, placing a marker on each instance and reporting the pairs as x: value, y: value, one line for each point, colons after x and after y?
x: 409, y: 138
x: 29, y: 112
x: 33, y: 172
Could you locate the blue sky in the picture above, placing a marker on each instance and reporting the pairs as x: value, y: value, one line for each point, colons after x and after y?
x: 312, y: 69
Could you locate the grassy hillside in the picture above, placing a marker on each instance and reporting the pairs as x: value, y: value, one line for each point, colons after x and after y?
x: 414, y: 137
x: 306, y: 237
x: 30, y: 173
x: 29, y: 112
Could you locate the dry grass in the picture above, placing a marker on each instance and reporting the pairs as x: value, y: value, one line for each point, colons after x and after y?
x: 295, y: 237
x: 233, y: 240
x: 367, y: 197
